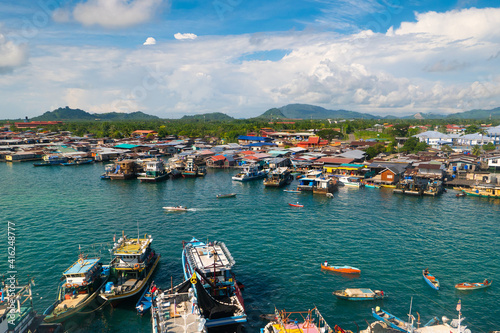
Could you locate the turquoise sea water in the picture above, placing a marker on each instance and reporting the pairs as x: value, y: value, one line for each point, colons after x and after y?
x: 278, y: 249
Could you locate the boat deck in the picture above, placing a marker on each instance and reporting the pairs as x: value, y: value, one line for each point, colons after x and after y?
x: 292, y: 327
x: 175, y: 314
x: 71, y: 302
x: 210, y: 257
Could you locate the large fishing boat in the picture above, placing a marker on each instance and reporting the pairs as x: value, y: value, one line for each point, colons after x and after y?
x: 125, y: 169
x: 310, y: 321
x: 192, y: 169
x: 309, y: 181
x: 209, y: 268
x: 131, y: 268
x: 155, y: 171
x: 278, y: 177
x: 176, y: 310
x: 250, y: 172
x: 81, y: 284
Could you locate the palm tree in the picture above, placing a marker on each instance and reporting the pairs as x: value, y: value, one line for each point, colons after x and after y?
x: 476, y: 150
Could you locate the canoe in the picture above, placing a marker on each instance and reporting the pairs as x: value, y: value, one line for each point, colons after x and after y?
x: 230, y: 195
x: 359, y: 294
x: 474, y: 285
x: 431, y: 280
x: 296, y: 205
x: 342, y: 269
x: 176, y: 209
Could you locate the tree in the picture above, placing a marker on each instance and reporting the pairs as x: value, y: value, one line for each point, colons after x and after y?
x: 489, y: 146
x: 329, y: 134
x: 374, y: 150
x: 476, y: 150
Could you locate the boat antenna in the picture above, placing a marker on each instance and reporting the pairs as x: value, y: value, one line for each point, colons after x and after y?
x: 138, y: 231
x: 410, y: 321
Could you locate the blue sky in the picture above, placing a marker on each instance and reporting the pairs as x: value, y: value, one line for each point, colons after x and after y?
x: 243, y: 57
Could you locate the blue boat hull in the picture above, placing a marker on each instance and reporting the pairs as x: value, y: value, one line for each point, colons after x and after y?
x: 429, y: 282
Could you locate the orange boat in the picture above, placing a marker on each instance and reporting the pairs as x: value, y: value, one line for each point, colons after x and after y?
x: 341, y: 269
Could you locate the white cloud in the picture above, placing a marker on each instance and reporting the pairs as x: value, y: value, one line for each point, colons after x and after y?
x: 11, y: 55
x: 150, y: 41
x: 456, y: 24
x: 185, y: 36
x: 115, y: 13
x: 368, y: 72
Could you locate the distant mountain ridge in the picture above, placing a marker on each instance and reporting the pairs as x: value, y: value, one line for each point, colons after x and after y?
x: 78, y: 114
x: 214, y: 116
x: 307, y: 111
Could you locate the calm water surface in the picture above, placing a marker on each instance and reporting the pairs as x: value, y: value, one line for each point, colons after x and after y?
x: 278, y: 248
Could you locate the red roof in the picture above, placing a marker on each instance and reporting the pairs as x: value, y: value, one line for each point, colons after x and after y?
x: 248, y: 152
x: 314, y: 139
x: 218, y: 158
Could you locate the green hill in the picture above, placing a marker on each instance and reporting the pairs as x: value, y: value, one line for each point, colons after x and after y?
x: 78, y: 114
x: 476, y: 114
x: 307, y: 111
x: 215, y: 116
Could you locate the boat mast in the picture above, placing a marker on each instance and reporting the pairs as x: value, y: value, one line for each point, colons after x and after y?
x: 409, y: 326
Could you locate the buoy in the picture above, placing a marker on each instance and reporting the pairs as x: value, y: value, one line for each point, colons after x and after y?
x: 377, y: 309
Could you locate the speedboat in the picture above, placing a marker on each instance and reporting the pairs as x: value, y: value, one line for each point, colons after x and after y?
x: 341, y: 269
x: 176, y: 208
x: 296, y: 205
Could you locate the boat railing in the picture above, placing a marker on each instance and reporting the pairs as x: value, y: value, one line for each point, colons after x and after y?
x: 227, y: 253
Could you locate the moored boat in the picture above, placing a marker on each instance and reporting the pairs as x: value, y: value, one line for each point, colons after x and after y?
x: 51, y: 159
x: 484, y: 191
x: 176, y: 310
x: 473, y: 285
x: 391, y: 320
x: 78, y: 161
x: 80, y: 286
x: 359, y: 294
x: 144, y: 303
x: 341, y: 269
x: 430, y: 279
x: 310, y: 321
x: 208, y: 266
x: 131, y: 268
x: 292, y: 191
x: 296, y: 205
x: 351, y: 181
x: 155, y: 171
x: 125, y: 169
x: 278, y: 177
x: 250, y: 172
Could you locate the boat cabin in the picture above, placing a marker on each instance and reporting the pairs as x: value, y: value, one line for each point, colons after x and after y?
x: 82, y: 272
x: 130, y: 254
x: 213, y: 260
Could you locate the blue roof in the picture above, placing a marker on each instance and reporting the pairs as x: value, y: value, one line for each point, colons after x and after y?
x: 126, y: 146
x: 260, y: 144
x: 78, y: 268
x: 254, y: 138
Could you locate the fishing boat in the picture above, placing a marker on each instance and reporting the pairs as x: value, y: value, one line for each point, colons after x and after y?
x: 473, y: 285
x: 371, y: 185
x: 250, y: 172
x: 485, y: 191
x: 133, y: 264
x: 78, y: 161
x: 430, y: 279
x: 155, y: 171
x: 81, y: 284
x: 309, y: 181
x: 341, y: 269
x: 175, y: 208
x: 192, y: 169
x: 108, y: 170
x: 461, y: 194
x: 351, y: 181
x: 51, y: 159
x: 391, y: 320
x: 208, y: 267
x: 176, y: 310
x: 310, y: 321
x: 359, y: 294
x: 292, y: 191
x: 144, y: 302
x: 296, y: 205
x: 125, y: 169
x: 278, y: 177
x: 230, y: 195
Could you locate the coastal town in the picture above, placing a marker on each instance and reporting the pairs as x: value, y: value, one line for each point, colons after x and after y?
x: 451, y: 159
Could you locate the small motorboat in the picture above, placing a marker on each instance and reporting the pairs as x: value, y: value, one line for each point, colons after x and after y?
x: 176, y: 208
x: 430, y: 279
x: 144, y: 302
x: 292, y: 191
x: 230, y: 195
x: 341, y: 269
x: 359, y: 294
x: 296, y: 205
x: 461, y: 194
x: 473, y: 286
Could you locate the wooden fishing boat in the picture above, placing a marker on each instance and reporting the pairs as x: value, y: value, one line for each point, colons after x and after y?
x: 341, y: 269
x: 175, y: 208
x: 296, y: 205
x: 230, y: 195
x: 391, y: 320
x: 310, y: 321
x: 144, y: 302
x: 473, y: 286
x: 430, y: 279
x: 359, y: 294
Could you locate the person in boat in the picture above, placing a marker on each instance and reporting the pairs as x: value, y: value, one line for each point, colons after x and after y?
x: 485, y: 281
x: 426, y: 271
x: 326, y: 263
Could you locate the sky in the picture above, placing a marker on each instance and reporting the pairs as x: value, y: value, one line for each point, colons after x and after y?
x: 243, y: 57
